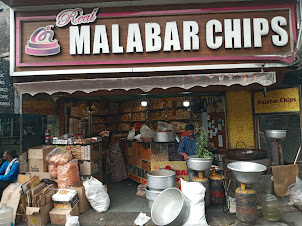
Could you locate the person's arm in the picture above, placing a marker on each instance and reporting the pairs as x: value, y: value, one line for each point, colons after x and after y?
x: 181, y: 149
x: 13, y: 173
x: 3, y: 167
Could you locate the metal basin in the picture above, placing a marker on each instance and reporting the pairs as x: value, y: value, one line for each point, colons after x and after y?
x: 161, y: 179
x: 199, y: 164
x: 246, y: 172
x: 275, y: 134
x: 170, y: 208
x: 164, y: 136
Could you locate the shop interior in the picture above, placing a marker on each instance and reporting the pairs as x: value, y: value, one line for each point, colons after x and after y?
x: 88, y: 116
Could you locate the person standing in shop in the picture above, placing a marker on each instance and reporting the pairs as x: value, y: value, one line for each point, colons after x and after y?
x: 115, y: 164
x: 9, y: 170
x: 187, y: 146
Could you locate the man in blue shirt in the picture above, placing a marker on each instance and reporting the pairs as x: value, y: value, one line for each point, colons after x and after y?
x: 187, y: 146
x: 9, y: 170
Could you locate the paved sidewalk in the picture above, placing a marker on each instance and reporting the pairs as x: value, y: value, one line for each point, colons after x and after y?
x: 125, y: 206
x: 215, y: 217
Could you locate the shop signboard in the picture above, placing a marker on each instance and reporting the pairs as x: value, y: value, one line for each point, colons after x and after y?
x: 282, y: 100
x: 76, y: 39
x: 6, y: 89
x: 39, y: 107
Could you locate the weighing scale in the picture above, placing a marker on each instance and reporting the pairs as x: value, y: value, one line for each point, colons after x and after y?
x: 275, y: 136
x: 246, y: 204
x: 200, y: 165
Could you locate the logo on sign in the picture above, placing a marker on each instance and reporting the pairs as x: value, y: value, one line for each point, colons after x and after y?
x: 41, y: 42
x: 75, y: 17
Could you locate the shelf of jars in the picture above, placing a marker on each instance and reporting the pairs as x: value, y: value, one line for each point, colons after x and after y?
x: 142, y: 158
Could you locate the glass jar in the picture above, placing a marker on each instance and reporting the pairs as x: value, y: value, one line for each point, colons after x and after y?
x: 270, y: 209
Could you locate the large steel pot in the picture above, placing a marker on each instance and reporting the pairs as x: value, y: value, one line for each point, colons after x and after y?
x: 275, y: 134
x: 161, y: 179
x: 151, y: 195
x: 164, y: 136
x: 199, y: 164
x: 170, y: 208
x: 246, y: 172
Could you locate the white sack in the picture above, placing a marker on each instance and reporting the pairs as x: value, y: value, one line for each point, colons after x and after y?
x: 72, y: 220
x: 96, y: 195
x: 131, y: 134
x: 195, y: 192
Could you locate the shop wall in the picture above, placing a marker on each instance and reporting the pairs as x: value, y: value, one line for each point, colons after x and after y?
x: 240, y: 118
x: 279, y: 110
x: 4, y: 28
x: 6, y: 84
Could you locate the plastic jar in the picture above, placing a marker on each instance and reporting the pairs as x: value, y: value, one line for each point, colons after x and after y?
x: 47, y: 140
x: 270, y: 209
x: 6, y: 215
x: 47, y: 132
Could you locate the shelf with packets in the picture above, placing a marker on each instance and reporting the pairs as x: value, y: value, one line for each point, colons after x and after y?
x: 89, y: 156
x: 143, y: 157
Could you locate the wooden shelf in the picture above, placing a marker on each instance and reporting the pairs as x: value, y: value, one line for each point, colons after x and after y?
x: 103, y: 122
x: 102, y: 115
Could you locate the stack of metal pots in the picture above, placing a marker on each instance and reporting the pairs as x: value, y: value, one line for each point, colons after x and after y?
x: 158, y: 181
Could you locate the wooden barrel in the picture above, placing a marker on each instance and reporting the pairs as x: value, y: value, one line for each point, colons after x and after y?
x: 246, y: 205
x: 216, y: 188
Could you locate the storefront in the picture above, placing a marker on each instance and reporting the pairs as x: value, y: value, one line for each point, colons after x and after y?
x: 100, y: 62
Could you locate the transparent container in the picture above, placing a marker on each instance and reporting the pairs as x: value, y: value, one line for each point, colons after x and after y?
x: 270, y: 209
x: 6, y: 215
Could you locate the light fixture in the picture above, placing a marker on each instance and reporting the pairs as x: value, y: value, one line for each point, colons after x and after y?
x: 144, y: 103
x: 186, y: 103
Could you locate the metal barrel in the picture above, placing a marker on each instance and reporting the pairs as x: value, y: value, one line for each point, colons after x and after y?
x: 217, y: 192
x: 205, y: 182
x: 246, y: 205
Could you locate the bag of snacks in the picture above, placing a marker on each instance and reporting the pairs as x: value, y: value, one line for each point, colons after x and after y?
x: 68, y: 174
x: 52, y: 169
x: 58, y: 156
x: 147, y: 135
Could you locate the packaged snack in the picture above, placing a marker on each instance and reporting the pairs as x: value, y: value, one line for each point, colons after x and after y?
x: 68, y: 174
x: 52, y: 169
x: 58, y: 157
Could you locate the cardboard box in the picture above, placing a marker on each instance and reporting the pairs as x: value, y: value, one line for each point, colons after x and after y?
x: 38, y: 216
x: 42, y: 175
x: 58, y: 216
x: 39, y: 152
x: 83, y: 201
x: 65, y: 199
x: 37, y: 158
x: 23, y: 178
x: 88, y: 167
